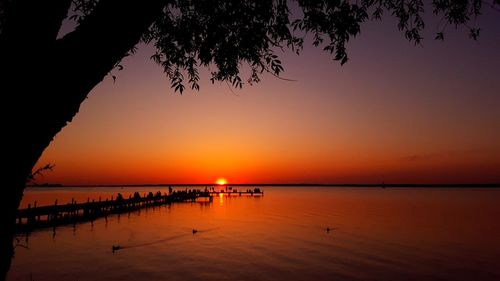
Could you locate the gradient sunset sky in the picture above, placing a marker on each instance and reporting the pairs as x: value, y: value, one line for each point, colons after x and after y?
x: 394, y: 113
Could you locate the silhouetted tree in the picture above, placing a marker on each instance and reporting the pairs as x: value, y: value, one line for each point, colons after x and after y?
x: 45, y: 78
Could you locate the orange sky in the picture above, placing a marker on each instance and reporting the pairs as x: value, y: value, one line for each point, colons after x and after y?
x: 393, y: 113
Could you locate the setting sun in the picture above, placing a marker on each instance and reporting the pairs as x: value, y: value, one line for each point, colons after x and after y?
x: 221, y: 181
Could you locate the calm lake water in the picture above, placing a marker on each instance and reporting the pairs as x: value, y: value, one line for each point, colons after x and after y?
x: 378, y: 234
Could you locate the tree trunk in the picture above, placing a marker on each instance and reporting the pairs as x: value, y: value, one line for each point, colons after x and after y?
x: 8, y: 223
x: 43, y: 82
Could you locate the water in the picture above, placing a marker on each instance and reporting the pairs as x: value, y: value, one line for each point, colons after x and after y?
x: 378, y: 234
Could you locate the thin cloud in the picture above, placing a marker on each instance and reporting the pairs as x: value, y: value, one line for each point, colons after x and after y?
x: 418, y: 157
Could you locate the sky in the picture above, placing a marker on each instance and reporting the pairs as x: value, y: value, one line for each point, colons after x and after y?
x: 395, y: 113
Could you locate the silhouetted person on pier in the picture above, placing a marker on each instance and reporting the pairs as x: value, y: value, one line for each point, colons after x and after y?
x: 137, y: 196
x: 119, y: 197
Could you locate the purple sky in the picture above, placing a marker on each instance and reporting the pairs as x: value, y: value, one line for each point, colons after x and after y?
x: 395, y: 113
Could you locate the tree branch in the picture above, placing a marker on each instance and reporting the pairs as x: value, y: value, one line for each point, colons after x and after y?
x: 82, y: 58
x: 31, y: 24
x: 105, y: 36
x: 39, y: 172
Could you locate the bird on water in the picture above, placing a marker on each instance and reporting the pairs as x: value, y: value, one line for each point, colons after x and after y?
x: 115, y: 248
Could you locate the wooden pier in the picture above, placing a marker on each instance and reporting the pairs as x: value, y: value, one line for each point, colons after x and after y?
x: 71, y: 213
x: 235, y: 192
x: 256, y: 192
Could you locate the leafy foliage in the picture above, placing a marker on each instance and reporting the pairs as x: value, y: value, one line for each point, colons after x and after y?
x: 81, y: 9
x: 226, y: 36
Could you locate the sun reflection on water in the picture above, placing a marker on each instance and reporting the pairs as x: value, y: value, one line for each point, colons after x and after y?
x: 221, y: 199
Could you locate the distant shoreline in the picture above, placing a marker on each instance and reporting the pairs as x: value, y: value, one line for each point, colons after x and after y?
x: 387, y: 185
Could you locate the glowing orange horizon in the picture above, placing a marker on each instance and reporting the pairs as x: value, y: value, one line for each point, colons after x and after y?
x: 397, y: 126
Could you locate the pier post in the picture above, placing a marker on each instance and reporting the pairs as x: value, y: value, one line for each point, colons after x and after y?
x: 38, y: 217
x: 55, y: 212
x: 28, y: 217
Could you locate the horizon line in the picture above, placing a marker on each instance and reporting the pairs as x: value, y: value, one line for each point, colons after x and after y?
x: 276, y: 184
